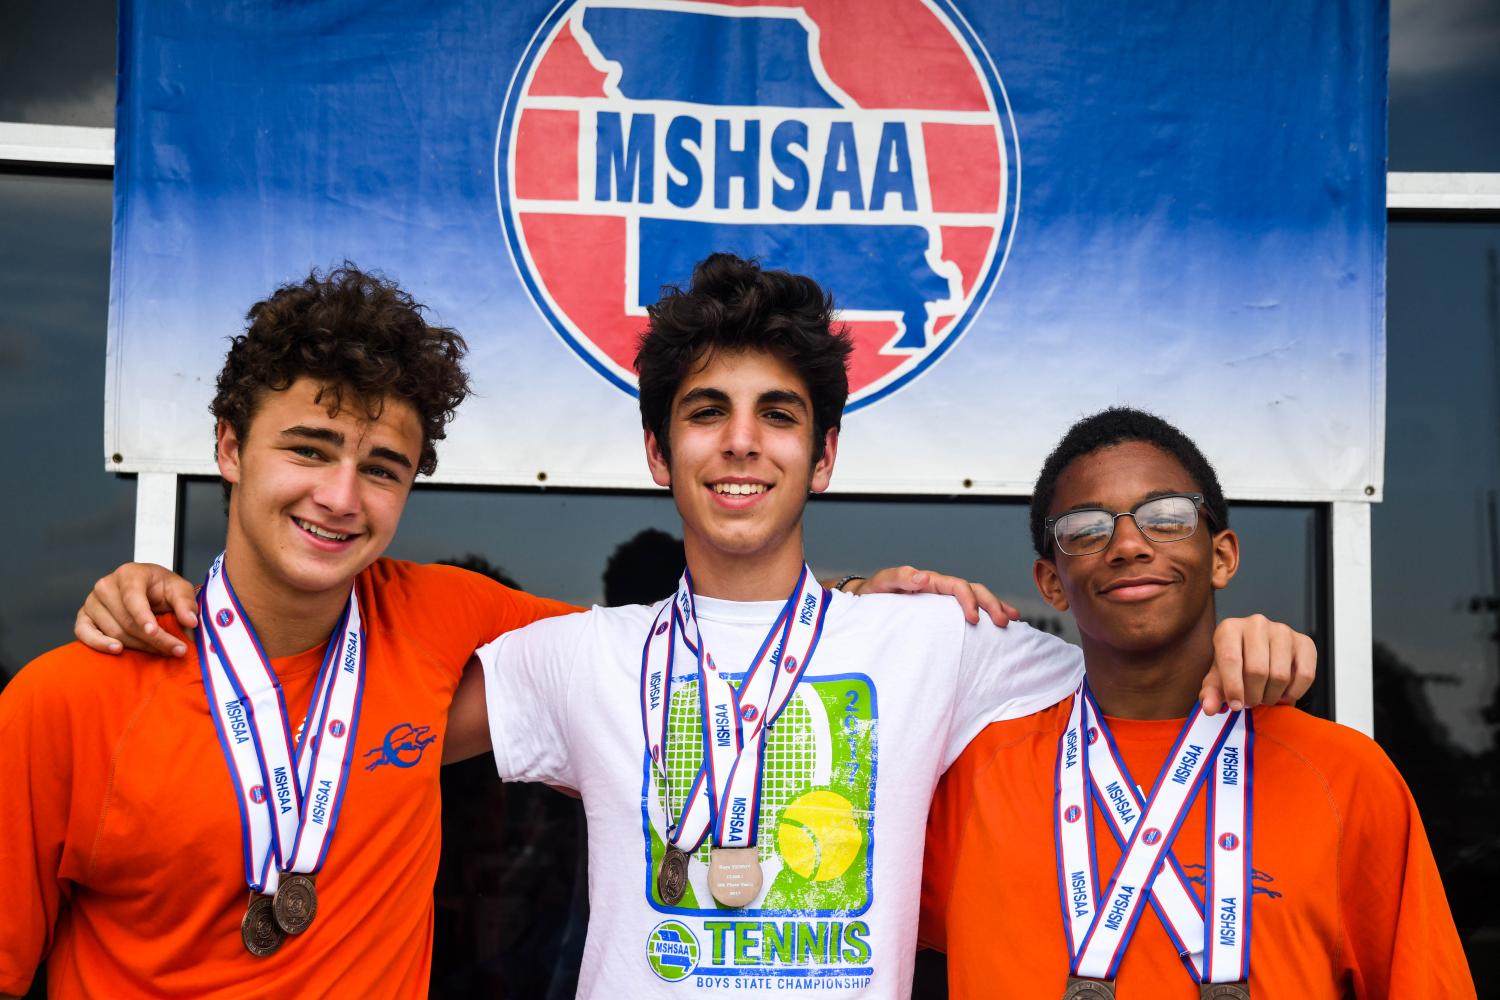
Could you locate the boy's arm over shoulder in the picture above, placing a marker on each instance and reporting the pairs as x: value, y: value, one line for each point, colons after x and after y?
x: 530, y: 684
x: 46, y: 807
x: 465, y: 609
x: 1401, y: 938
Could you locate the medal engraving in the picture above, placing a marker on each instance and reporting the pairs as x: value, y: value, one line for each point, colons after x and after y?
x: 672, y: 876
x: 258, y: 929
x: 734, y: 875
x: 295, y: 903
x: 1089, y: 989
x: 1225, y: 991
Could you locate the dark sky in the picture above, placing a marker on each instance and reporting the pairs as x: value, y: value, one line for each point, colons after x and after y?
x: 57, y: 62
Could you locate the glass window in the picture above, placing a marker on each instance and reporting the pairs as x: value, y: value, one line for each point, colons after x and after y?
x: 57, y: 63
x: 1445, y: 85
x: 69, y: 519
x: 1437, y: 578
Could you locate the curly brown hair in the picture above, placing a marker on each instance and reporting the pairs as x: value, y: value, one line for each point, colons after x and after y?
x: 354, y: 332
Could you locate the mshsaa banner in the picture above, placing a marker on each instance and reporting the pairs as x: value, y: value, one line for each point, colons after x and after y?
x: 1026, y: 212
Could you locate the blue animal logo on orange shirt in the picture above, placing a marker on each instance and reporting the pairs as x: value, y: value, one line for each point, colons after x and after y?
x: 402, y: 747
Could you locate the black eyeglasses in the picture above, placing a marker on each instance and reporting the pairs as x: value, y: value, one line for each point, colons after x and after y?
x: 1161, y: 519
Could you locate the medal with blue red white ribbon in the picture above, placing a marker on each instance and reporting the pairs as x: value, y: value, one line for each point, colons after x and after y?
x: 289, y: 791
x: 1211, y: 751
x: 724, y: 799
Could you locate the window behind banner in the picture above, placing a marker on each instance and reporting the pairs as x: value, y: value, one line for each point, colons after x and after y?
x: 1436, y: 557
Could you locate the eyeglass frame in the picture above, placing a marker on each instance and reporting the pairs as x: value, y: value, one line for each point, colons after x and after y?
x: 1049, y: 525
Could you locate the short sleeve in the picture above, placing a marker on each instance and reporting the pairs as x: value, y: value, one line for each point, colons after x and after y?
x: 1402, y: 940
x: 528, y: 679
x: 1006, y: 673
x: 473, y: 608
x: 36, y: 764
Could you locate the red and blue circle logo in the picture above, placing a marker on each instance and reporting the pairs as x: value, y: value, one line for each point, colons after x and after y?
x: 225, y: 617
x: 1151, y: 836
x: 870, y: 146
x: 749, y: 713
x: 661, y: 628
x: 790, y: 665
x: 1072, y: 814
x: 1093, y: 734
x: 258, y: 794
x: 1229, y: 841
x: 336, y: 728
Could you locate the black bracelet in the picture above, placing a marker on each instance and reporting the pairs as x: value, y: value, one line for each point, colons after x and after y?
x: 842, y: 583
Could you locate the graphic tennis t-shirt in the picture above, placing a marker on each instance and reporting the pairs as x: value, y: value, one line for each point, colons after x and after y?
x: 895, y: 690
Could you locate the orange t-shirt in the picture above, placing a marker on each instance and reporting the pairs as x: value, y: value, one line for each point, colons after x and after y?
x: 1346, y: 898
x: 120, y: 849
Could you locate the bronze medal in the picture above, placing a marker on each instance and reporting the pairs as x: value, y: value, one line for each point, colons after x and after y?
x: 259, y: 929
x: 1225, y: 991
x: 1089, y: 989
x: 734, y: 875
x: 295, y: 903
x: 672, y: 876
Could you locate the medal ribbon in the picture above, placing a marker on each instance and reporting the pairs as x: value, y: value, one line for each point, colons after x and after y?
x: 288, y: 811
x: 725, y: 794
x: 1174, y: 902
x: 1099, y: 934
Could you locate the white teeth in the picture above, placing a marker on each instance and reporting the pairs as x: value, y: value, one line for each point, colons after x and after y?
x: 740, y: 489
x: 313, y: 529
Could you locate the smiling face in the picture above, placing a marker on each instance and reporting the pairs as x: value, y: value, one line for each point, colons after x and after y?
x: 316, y: 497
x: 1136, y: 595
x: 741, y: 467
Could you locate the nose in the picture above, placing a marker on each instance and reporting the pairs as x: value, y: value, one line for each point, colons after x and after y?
x: 1128, y: 543
x: 742, y: 435
x: 338, y: 491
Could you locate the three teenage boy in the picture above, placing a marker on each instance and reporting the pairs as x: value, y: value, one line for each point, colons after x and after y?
x: 116, y: 855
x: 1305, y: 844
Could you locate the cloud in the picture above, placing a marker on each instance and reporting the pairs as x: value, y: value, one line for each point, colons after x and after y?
x: 57, y: 63
x: 1431, y: 39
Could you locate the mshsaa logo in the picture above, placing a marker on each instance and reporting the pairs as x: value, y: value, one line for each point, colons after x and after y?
x: 868, y: 145
x: 672, y: 951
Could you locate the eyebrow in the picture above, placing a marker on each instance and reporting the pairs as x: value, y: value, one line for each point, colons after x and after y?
x: 783, y: 397
x: 772, y: 397
x: 703, y: 394
x: 329, y: 436
x: 1100, y: 505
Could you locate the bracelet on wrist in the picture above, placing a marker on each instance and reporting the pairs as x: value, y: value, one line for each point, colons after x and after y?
x: 846, y: 581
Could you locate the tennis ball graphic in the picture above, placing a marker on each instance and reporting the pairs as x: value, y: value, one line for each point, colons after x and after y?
x: 819, y: 837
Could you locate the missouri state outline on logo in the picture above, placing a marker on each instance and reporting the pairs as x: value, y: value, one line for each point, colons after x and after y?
x: 868, y: 144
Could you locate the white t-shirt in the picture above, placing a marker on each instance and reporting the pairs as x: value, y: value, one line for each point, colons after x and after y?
x: 897, y: 687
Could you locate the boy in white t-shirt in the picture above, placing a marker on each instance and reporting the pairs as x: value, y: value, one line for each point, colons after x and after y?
x: 779, y: 847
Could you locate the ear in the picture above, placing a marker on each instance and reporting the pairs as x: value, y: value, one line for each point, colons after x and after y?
x: 1044, y: 571
x: 227, y: 452
x: 1226, y: 558
x: 661, y: 469
x: 822, y: 471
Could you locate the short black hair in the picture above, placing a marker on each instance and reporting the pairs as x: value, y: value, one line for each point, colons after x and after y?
x: 734, y: 305
x: 1121, y: 425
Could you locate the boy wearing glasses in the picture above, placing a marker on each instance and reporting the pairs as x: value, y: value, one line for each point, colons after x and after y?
x: 1143, y: 848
